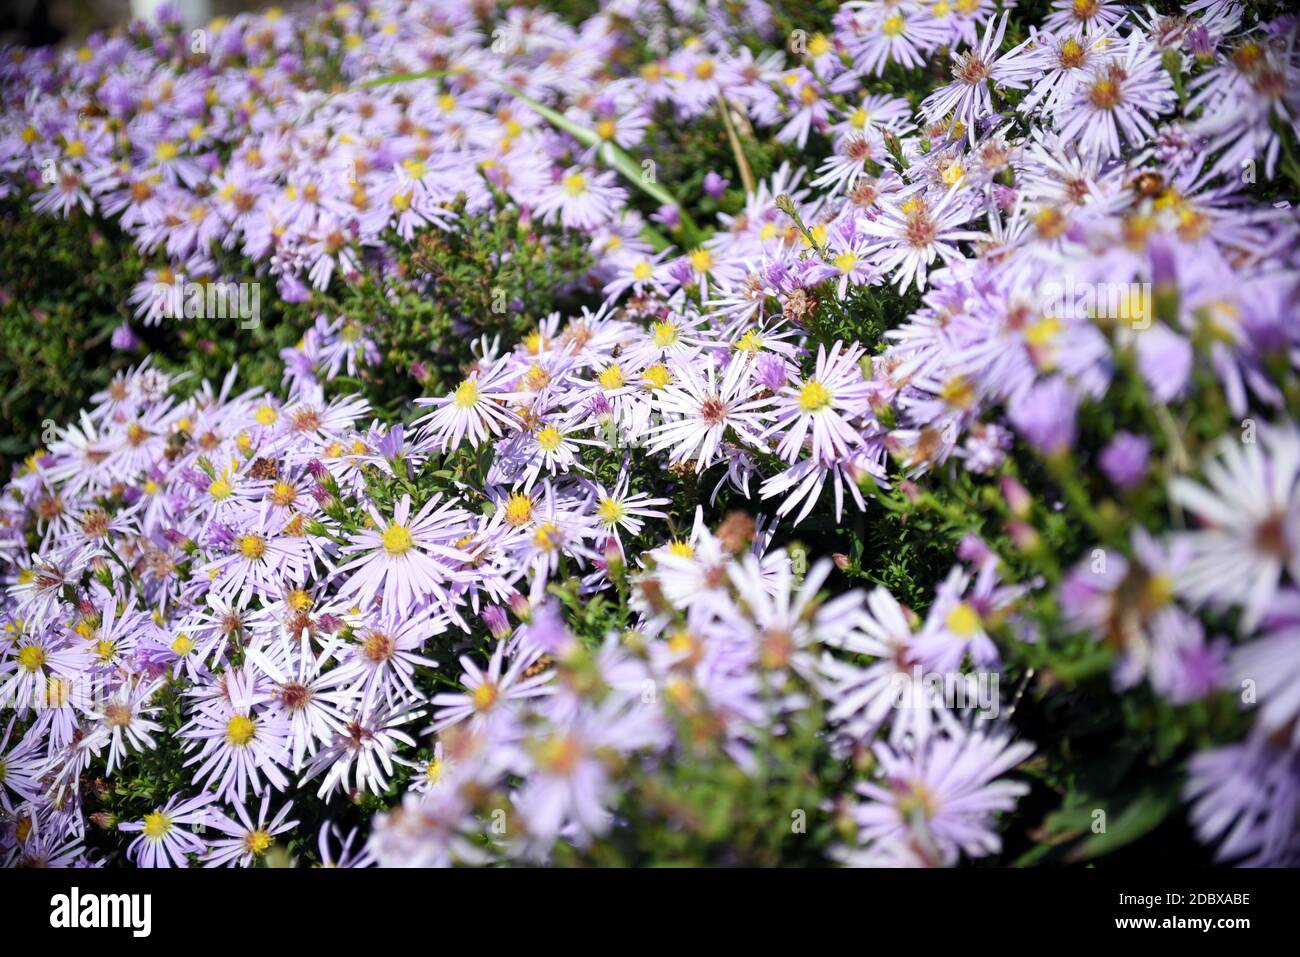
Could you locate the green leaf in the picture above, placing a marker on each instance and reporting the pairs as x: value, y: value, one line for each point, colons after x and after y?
x: 1141, y: 816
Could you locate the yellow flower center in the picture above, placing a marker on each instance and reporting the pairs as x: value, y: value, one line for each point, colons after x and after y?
x: 378, y: 647
x: 611, y: 511
x: 575, y: 184
x: 252, y: 546
x: 642, y: 271
x: 656, y: 376
x: 519, y: 509
x: 283, y: 494
x: 485, y: 696
x: 916, y: 800
x: 681, y: 642
x: 220, y: 489
x: 183, y: 644
x: 240, y: 730
x: 681, y: 549
x: 561, y: 754
x: 549, y: 439
x: 958, y: 393
x: 156, y: 825
x: 536, y: 378
x: 1042, y: 333
x: 963, y: 620
x: 1105, y: 94
x: 1159, y: 590
x: 1070, y: 54
x: 547, y: 536
x: 846, y: 262
x: 397, y: 539
x: 31, y: 657
x: 612, y: 377
x: 467, y: 394
x: 814, y: 396
x: 664, y: 333
x: 893, y: 26
x: 256, y: 842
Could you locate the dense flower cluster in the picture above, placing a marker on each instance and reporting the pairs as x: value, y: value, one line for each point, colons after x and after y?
x: 309, y: 600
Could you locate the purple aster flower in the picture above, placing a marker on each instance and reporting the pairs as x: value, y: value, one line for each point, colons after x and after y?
x: 125, y: 339
x: 1044, y: 415
x: 770, y: 372
x: 1124, y: 460
x: 498, y: 625
x: 943, y: 792
x: 164, y: 837
x: 1246, y: 797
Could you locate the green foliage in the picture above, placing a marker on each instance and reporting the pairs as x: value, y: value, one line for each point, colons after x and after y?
x: 64, y: 286
x: 495, y: 275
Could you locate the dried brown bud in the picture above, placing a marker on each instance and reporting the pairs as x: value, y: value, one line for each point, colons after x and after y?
x: 264, y: 469
x: 799, y: 305
x: 653, y: 593
x: 736, y: 532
